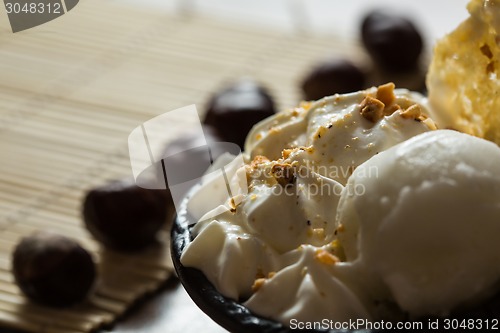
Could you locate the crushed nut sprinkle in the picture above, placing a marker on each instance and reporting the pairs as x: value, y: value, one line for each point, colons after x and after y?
x: 257, y: 284
x: 326, y: 257
x: 391, y: 109
x: 284, y: 174
x: 261, y: 280
x: 372, y: 109
x: 413, y: 112
x: 259, y: 159
x: 286, y: 153
x: 385, y: 93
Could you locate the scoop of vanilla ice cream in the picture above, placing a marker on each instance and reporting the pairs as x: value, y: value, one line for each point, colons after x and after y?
x: 427, y: 223
x: 339, y: 136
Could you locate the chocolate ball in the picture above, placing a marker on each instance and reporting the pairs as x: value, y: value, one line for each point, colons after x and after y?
x: 393, y: 42
x: 234, y: 110
x: 52, y: 269
x: 331, y: 77
x: 124, y: 216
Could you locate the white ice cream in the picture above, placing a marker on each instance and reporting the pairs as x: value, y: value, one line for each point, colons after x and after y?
x: 275, y: 243
x: 340, y: 137
x: 429, y: 223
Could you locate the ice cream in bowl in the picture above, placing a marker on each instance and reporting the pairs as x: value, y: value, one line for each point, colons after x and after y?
x: 378, y: 207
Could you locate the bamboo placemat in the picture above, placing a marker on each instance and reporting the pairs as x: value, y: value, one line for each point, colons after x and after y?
x: 70, y: 93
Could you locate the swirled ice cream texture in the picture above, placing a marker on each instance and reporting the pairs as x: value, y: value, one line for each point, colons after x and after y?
x: 279, y: 237
x: 428, y: 227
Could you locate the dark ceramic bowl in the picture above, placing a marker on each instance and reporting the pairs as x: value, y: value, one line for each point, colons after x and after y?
x: 236, y: 318
x: 225, y: 311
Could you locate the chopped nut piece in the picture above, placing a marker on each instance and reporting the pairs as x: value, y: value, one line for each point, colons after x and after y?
x: 391, y: 109
x: 325, y: 257
x: 413, y: 111
x: 258, y: 283
x: 385, y: 93
x: 259, y: 159
x: 372, y: 109
x: 284, y: 174
x: 286, y: 153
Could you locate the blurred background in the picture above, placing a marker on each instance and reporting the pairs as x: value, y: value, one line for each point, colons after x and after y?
x: 72, y: 90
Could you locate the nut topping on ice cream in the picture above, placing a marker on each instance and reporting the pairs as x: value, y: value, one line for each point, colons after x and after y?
x: 372, y: 109
x: 298, y: 163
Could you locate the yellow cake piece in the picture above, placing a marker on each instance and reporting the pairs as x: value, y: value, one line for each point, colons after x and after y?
x: 463, y: 83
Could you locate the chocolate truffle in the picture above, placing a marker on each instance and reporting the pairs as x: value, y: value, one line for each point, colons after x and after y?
x: 336, y: 76
x: 52, y: 269
x: 124, y: 216
x: 393, y: 42
x: 234, y: 110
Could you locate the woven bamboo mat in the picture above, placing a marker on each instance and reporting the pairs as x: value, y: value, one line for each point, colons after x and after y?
x: 70, y: 93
